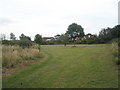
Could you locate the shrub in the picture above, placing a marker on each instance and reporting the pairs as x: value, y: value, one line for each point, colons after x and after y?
x: 25, y: 43
x: 5, y: 42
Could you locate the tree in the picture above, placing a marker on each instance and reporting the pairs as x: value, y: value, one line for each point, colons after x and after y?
x: 75, y: 31
x: 23, y: 37
x: 116, y: 31
x: 105, y: 34
x: 2, y: 37
x: 57, y: 39
x: 64, y: 39
x: 25, y: 41
x: 12, y: 36
x: 28, y: 38
x: 38, y: 40
x: 108, y: 34
x: 57, y: 36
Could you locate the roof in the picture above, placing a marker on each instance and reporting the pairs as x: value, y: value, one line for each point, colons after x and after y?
x: 48, y: 37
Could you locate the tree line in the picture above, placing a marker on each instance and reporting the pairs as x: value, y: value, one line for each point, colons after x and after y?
x: 74, y: 35
x: 24, y: 42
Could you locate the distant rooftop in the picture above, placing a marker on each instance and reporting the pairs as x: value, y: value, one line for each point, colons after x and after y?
x: 48, y: 37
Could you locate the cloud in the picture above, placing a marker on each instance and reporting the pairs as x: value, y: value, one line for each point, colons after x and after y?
x: 51, y: 17
x: 119, y: 12
x: 4, y: 21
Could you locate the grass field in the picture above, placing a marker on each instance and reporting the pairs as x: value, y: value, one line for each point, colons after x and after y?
x: 84, y: 66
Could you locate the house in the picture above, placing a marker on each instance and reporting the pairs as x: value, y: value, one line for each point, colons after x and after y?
x: 49, y: 39
x: 89, y: 36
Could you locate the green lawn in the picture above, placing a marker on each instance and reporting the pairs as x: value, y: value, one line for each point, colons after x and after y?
x: 84, y: 66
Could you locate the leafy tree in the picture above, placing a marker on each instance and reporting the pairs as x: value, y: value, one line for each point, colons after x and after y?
x: 23, y: 37
x: 116, y: 31
x: 12, y: 36
x: 57, y: 39
x: 25, y: 41
x: 57, y: 36
x: 38, y: 40
x: 75, y: 31
x: 108, y: 34
x: 105, y: 34
x: 64, y: 39
x: 28, y: 38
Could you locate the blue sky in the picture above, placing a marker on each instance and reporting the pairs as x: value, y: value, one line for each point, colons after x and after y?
x: 51, y: 17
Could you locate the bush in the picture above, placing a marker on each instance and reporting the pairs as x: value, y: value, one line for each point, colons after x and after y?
x: 5, y: 42
x: 21, y: 43
x: 25, y: 43
x: 91, y: 41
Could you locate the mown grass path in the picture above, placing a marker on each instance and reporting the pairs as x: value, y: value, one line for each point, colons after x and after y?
x: 84, y: 66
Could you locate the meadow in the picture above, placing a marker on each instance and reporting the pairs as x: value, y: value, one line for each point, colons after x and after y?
x: 84, y: 66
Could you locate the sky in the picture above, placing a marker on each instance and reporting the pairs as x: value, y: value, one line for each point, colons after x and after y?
x: 51, y: 17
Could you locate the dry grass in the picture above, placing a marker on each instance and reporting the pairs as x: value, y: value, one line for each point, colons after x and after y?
x: 12, y: 55
x: 114, y: 48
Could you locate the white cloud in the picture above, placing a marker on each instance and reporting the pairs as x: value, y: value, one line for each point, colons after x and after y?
x: 51, y: 17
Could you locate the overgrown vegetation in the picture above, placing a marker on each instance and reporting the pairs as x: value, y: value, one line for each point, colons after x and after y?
x: 38, y: 40
x: 116, y: 50
x: 16, y: 51
x: 13, y: 55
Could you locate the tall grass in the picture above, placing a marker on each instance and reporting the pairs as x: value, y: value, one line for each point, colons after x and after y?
x: 115, y: 50
x: 12, y: 55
